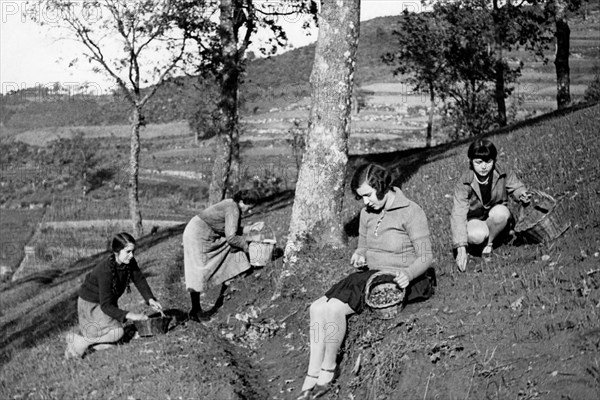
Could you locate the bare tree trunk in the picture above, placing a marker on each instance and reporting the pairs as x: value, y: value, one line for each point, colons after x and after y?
x: 431, y: 113
x: 226, y: 168
x: 499, y: 90
x: 499, y: 42
x: 221, y: 169
x: 134, y: 159
x: 561, y: 60
x: 321, y: 182
x: 235, y: 169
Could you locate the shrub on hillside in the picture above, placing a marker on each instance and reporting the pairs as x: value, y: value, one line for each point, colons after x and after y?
x: 592, y: 93
x: 471, y: 120
x: 204, y: 123
x: 174, y: 192
x: 261, y: 185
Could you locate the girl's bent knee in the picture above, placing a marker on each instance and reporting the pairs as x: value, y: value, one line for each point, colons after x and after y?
x: 477, y: 236
x: 116, y: 334
x: 477, y: 231
x: 318, y: 308
x: 499, y: 213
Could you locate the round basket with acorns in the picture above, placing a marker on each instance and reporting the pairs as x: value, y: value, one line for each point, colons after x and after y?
x: 383, y: 295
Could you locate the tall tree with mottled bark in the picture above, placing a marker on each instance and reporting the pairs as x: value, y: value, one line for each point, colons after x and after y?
x: 317, y: 208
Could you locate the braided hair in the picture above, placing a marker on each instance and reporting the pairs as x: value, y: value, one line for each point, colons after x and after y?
x: 119, y: 242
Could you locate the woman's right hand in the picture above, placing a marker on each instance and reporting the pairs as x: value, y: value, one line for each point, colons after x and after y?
x: 358, y: 260
x: 461, y: 258
x: 136, y: 317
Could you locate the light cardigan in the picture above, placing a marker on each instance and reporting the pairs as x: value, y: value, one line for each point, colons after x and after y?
x: 397, y: 237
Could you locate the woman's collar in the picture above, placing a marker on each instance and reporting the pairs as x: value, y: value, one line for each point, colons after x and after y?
x: 399, y: 199
x: 469, y: 176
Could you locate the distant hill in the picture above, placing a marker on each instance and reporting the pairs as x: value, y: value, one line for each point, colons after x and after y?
x: 274, y: 82
x: 270, y: 82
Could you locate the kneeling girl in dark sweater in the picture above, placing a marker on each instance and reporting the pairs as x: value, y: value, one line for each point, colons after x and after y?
x: 100, y: 318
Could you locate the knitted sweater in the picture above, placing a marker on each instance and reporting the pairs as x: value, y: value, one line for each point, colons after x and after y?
x: 98, y: 288
x: 397, y: 237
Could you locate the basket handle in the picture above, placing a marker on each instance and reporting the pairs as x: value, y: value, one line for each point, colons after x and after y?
x: 265, y: 226
x: 546, y: 202
x: 541, y: 201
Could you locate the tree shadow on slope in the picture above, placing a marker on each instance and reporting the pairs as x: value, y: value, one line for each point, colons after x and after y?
x: 24, y: 328
x: 273, y: 202
x: 403, y: 164
x: 42, y: 322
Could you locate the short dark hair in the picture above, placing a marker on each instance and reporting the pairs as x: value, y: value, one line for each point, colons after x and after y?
x: 120, y: 241
x: 374, y: 175
x: 483, y: 149
x: 245, y: 195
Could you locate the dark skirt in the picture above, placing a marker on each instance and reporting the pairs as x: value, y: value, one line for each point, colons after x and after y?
x: 351, y: 290
x: 483, y: 214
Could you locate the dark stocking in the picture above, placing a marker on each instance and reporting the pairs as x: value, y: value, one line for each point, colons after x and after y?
x: 196, y: 313
x: 195, y: 297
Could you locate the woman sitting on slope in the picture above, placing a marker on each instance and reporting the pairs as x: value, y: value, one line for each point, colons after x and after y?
x: 393, y: 237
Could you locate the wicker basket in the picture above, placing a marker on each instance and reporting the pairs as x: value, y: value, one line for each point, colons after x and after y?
x: 154, y: 325
x: 378, y: 283
x: 544, y: 219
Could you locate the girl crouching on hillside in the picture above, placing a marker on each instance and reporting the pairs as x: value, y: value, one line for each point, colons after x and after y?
x: 480, y: 214
x: 100, y: 318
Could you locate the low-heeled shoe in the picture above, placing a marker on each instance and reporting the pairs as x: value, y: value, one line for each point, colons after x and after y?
x: 321, y: 390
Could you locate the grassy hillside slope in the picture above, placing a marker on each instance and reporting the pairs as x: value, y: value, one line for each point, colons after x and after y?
x: 524, y: 325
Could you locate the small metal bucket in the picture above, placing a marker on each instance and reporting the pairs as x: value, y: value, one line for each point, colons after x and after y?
x: 154, y: 325
x: 261, y: 253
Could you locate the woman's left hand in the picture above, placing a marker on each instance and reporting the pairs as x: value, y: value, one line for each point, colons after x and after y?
x: 155, y: 304
x: 402, y: 279
x: 525, y: 198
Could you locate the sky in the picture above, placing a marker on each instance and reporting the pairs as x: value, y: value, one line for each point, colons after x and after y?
x: 32, y: 55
